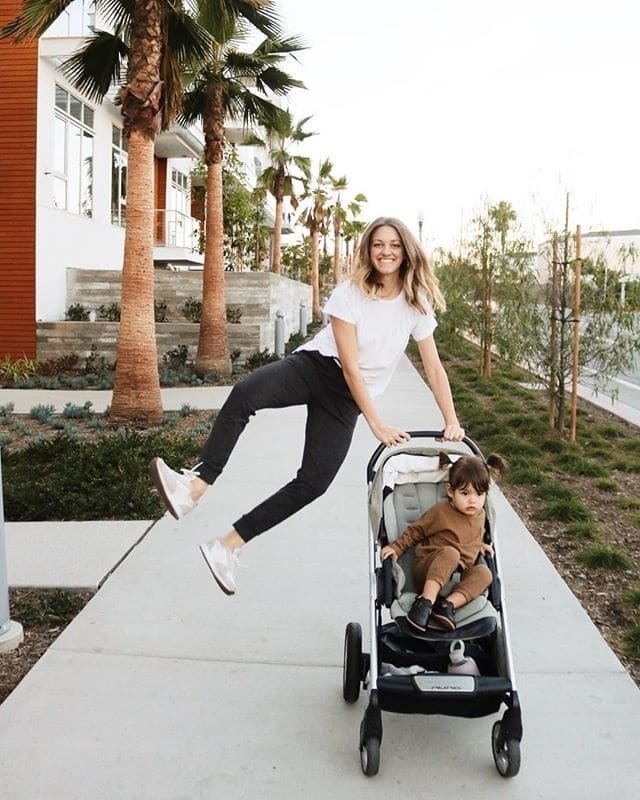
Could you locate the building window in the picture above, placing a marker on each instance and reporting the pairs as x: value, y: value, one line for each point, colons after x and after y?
x: 118, y: 176
x: 73, y: 154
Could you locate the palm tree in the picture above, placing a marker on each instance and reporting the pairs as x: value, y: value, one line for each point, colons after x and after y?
x: 285, y: 168
x: 316, y: 194
x: 222, y: 88
x: 340, y: 218
x: 353, y: 227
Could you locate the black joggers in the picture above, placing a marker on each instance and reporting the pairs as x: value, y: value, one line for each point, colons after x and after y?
x: 304, y: 378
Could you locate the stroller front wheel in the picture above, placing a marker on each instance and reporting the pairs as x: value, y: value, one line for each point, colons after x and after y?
x: 370, y: 756
x: 506, y: 752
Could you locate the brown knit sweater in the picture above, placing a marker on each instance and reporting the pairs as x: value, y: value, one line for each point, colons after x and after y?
x: 443, y: 525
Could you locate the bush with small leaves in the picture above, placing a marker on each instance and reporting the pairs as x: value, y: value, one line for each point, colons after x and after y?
x: 72, y: 411
x: 54, y: 366
x: 43, y: 413
x: 109, y: 311
x: 6, y: 411
x: 260, y: 358
x: 177, y: 357
x: 160, y: 311
x: 192, y: 309
x: 604, y: 556
x: 97, y: 364
x: 234, y: 314
x: 77, y: 313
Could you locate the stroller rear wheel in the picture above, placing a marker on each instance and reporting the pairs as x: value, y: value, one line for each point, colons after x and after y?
x: 506, y: 752
x: 352, y: 664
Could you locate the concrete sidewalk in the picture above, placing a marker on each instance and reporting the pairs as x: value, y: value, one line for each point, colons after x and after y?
x: 163, y: 688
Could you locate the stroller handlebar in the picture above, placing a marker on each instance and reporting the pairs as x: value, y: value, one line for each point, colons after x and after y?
x: 426, y: 434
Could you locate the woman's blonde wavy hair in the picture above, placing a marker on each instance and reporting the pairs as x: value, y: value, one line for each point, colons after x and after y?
x: 417, y: 275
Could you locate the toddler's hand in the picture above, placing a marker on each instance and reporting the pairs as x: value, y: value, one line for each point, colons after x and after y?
x: 388, y: 551
x: 486, y: 549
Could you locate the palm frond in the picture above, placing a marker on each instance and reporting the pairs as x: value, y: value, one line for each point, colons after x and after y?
x: 224, y: 18
x: 96, y: 67
x: 33, y: 21
x: 277, y: 81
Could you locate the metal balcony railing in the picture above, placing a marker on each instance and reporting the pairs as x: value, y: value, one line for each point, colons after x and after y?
x: 175, y: 229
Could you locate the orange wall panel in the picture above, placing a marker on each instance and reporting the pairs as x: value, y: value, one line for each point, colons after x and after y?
x: 18, y: 105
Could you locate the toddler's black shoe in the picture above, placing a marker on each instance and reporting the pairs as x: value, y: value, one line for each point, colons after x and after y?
x: 444, y: 613
x: 419, y: 613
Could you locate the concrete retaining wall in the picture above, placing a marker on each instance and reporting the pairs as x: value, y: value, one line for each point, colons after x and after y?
x: 258, y: 294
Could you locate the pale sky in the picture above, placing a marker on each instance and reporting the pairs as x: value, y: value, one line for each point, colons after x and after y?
x: 441, y: 105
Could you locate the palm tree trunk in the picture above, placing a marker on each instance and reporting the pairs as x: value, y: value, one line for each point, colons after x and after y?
x: 337, y: 272
x: 136, y: 390
x: 315, y: 274
x: 213, y: 343
x: 276, y: 252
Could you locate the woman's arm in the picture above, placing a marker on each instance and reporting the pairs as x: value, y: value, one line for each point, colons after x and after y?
x: 347, y: 343
x: 439, y: 385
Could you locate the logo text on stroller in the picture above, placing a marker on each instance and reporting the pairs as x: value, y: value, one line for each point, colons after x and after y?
x: 445, y: 683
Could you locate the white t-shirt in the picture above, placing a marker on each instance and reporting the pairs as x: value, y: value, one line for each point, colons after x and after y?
x: 383, y: 328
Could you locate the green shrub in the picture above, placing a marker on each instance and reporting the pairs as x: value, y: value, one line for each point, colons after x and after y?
x: 43, y: 413
x: 260, y: 358
x: 96, y: 364
x: 632, y: 597
x: 604, y: 556
x: 160, y: 311
x: 234, y: 314
x: 6, y: 411
x: 17, y: 369
x: 574, y: 464
x: 585, y: 529
x: 607, y: 485
x: 109, y: 311
x: 177, y: 357
x: 564, y: 511
x: 525, y: 474
x: 627, y: 503
x: 49, y: 606
x: 555, y: 491
x: 54, y: 366
x: 632, y: 640
x: 192, y: 309
x: 107, y: 479
x: 72, y: 411
x: 77, y: 313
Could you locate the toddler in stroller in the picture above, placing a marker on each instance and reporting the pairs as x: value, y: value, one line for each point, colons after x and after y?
x: 448, y: 538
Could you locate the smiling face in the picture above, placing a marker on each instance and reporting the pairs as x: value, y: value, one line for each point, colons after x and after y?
x: 386, y: 251
x: 466, y: 499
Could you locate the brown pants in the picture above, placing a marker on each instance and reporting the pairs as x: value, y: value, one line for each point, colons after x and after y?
x: 439, y: 563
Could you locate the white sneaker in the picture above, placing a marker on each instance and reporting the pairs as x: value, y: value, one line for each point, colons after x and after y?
x: 222, y: 562
x: 174, y: 489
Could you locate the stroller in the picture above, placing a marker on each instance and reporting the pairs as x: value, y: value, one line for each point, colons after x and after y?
x: 407, y: 670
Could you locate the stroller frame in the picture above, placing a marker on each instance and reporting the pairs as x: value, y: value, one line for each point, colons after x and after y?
x: 434, y: 691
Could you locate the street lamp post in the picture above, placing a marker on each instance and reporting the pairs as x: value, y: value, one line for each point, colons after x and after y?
x: 420, y: 224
